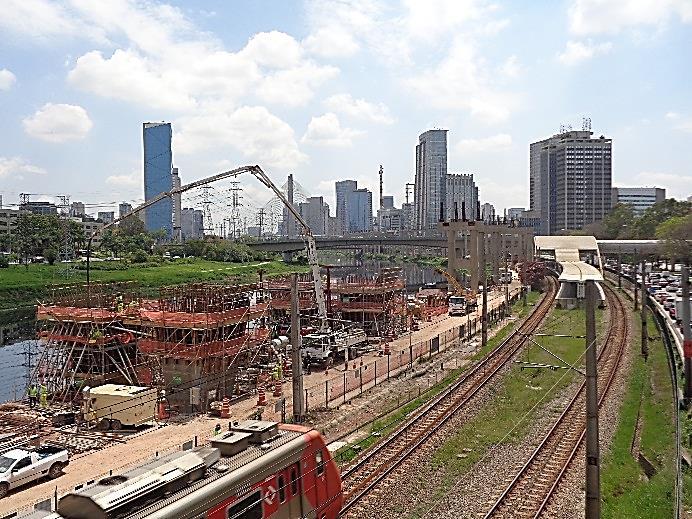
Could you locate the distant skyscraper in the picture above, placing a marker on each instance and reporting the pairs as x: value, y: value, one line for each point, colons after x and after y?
x: 515, y: 213
x: 570, y: 180
x: 316, y: 214
x: 158, y: 178
x: 192, y: 224
x: 359, y: 207
x: 123, y: 209
x: 431, y: 177
x: 106, y: 216
x: 343, y: 189
x: 77, y: 209
x: 640, y: 198
x: 460, y: 188
x: 487, y: 212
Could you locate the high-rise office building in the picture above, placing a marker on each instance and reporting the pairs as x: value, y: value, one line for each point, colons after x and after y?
x: 192, y: 224
x: 106, y: 216
x: 487, y: 212
x: 316, y: 214
x: 570, y: 180
x: 430, y: 190
x: 639, y: 198
x: 460, y: 188
x: 77, y: 209
x: 158, y: 177
x: 515, y: 213
x: 343, y: 189
x: 359, y: 210
x: 123, y: 209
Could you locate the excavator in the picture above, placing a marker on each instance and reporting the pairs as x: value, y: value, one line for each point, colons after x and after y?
x: 462, y: 300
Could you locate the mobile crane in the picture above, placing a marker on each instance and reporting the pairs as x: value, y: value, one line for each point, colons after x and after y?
x: 462, y: 300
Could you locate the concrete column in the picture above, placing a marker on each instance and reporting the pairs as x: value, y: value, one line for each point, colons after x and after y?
x: 452, y: 260
x: 473, y: 260
x: 495, y: 248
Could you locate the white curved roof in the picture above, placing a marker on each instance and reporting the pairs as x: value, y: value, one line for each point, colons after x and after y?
x: 566, y: 250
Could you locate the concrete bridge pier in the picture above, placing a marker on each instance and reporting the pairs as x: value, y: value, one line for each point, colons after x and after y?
x: 287, y: 257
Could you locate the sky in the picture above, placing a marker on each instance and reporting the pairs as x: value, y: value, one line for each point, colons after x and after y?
x: 331, y: 89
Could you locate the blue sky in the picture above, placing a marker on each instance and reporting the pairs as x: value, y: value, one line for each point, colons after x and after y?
x: 331, y: 89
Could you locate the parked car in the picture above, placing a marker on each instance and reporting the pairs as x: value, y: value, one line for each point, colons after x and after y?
x: 19, y: 467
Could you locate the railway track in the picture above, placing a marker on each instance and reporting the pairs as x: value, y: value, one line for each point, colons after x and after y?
x: 362, y: 476
x: 530, y: 491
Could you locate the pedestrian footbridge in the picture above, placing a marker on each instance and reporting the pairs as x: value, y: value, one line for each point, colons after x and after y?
x: 571, y: 253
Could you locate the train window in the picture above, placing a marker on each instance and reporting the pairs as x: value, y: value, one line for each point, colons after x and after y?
x: 249, y: 507
x: 294, y: 482
x: 282, y: 489
x: 320, y: 463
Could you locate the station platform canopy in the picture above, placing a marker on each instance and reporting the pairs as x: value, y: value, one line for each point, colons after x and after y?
x: 568, y: 251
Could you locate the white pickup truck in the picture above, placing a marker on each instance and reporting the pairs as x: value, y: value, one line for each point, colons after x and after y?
x: 19, y: 467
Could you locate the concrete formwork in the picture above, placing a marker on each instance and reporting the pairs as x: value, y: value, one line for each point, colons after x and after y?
x: 472, y: 244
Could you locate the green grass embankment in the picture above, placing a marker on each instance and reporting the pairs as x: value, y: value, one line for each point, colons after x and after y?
x: 21, y: 286
x: 384, y: 426
x: 626, y: 490
x: 509, y: 415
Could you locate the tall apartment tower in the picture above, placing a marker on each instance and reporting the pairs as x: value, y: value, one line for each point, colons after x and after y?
x: 461, y: 188
x: 570, y: 180
x: 158, y: 175
x: 343, y: 189
x: 430, y: 190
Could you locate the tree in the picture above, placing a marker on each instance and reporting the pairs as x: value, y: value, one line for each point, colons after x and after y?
x: 50, y: 255
x: 131, y: 226
x: 195, y: 248
x: 617, y: 224
x: 676, y: 234
x: 645, y: 227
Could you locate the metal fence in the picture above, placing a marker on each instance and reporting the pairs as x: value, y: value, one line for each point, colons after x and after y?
x: 360, y: 376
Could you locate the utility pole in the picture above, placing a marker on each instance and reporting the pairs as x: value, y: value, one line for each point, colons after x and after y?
x: 645, y: 332
x: 686, y: 332
x: 260, y: 221
x: 296, y: 361
x: 593, y: 477
x: 636, y: 302
x: 619, y: 270
x: 484, y: 277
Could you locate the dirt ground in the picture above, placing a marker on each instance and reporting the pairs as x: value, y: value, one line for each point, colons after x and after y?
x: 170, y: 437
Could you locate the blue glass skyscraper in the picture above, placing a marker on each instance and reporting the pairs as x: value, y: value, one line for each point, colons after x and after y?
x: 158, y: 178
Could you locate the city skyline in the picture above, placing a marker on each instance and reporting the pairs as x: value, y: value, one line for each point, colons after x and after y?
x: 310, y: 91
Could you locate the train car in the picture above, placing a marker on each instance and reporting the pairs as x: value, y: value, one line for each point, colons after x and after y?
x: 255, y: 470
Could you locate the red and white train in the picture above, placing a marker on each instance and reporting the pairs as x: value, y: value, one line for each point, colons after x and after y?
x: 255, y: 470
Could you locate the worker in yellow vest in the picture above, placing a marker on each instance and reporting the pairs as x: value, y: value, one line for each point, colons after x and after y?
x: 33, y: 396
x: 44, y: 396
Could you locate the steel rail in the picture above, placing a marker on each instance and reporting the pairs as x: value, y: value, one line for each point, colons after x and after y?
x: 369, y: 470
x: 572, y: 415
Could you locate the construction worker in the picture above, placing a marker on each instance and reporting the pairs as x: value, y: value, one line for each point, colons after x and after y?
x: 119, y: 303
x: 33, y: 396
x: 217, y: 429
x: 44, y: 395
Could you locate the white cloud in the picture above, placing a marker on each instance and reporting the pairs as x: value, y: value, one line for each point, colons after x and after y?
x: 428, y: 20
x: 17, y: 166
x: 326, y: 130
x: 131, y: 180
x: 295, y: 86
x: 274, y: 49
x: 461, y: 81
x: 359, y: 108
x: 511, y: 68
x: 499, y: 142
x: 7, y: 79
x: 331, y: 42
x: 600, y: 17
x: 58, y: 123
x: 43, y: 20
x: 577, y: 51
x: 252, y: 130
x: 680, y: 122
